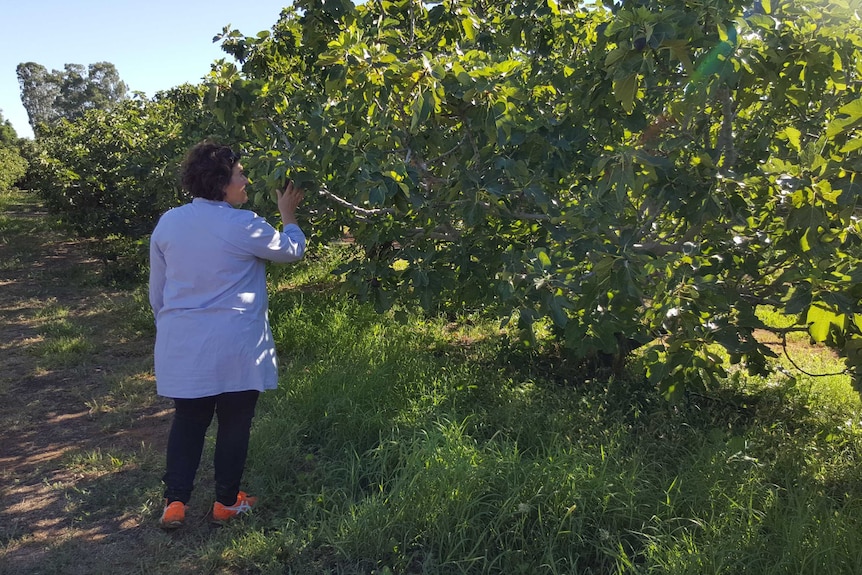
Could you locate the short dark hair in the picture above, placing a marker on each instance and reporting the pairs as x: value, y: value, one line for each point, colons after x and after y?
x: 207, y: 169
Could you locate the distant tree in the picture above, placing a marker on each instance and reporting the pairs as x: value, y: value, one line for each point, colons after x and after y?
x: 68, y: 93
x: 8, y: 135
x: 39, y: 91
x: 113, y: 172
x: 12, y: 165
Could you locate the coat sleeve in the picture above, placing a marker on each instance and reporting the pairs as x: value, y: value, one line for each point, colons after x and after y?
x: 264, y: 241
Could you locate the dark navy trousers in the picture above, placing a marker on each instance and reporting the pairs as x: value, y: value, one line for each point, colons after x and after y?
x: 234, y: 412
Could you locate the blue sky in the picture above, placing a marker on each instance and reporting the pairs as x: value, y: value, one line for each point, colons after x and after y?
x: 155, y: 45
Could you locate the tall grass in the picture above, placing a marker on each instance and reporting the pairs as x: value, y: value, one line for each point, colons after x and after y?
x: 434, y: 447
x: 412, y: 448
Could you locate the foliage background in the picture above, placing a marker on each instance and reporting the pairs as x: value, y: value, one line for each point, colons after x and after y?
x: 633, y: 174
x: 14, y: 166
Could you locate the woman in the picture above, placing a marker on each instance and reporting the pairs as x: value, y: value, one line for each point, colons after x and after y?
x: 214, y: 350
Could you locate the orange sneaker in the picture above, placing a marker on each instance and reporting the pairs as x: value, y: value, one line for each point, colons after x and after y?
x: 222, y: 513
x: 174, y: 515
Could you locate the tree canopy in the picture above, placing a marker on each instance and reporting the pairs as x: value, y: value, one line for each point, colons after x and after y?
x: 68, y: 93
x: 8, y: 135
x: 619, y: 174
x: 12, y: 165
x: 647, y: 171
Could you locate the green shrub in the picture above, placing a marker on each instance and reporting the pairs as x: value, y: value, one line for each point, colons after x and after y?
x: 14, y: 167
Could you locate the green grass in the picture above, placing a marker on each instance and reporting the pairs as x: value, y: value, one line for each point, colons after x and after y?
x: 430, y: 447
x: 15, y: 231
x: 395, y: 448
x: 64, y: 342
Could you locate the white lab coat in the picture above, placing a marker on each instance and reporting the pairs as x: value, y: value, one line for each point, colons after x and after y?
x: 208, y: 294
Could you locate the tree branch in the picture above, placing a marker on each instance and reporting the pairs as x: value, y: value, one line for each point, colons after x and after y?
x: 662, y: 248
x: 794, y: 364
x: 364, y: 211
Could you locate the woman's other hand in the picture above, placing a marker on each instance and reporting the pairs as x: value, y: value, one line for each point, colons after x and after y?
x: 288, y: 200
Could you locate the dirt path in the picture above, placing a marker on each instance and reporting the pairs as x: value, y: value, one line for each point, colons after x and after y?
x: 81, y: 431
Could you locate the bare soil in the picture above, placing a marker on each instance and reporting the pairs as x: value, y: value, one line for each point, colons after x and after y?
x: 81, y: 430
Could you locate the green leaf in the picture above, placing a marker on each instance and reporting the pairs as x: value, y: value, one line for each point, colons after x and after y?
x: 469, y: 25
x: 423, y: 105
x: 625, y: 91
x: 558, y: 312
x: 377, y: 196
x: 821, y: 320
x: 852, y: 114
x: 793, y: 136
x: 853, y: 353
x: 806, y: 217
x: 614, y: 56
x: 853, y: 110
x: 679, y: 49
x: 804, y: 242
x: 761, y: 21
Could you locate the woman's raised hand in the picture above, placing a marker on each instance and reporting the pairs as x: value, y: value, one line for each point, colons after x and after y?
x: 288, y: 200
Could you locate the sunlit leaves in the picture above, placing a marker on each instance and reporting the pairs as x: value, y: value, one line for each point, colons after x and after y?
x: 651, y: 174
x: 849, y: 116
